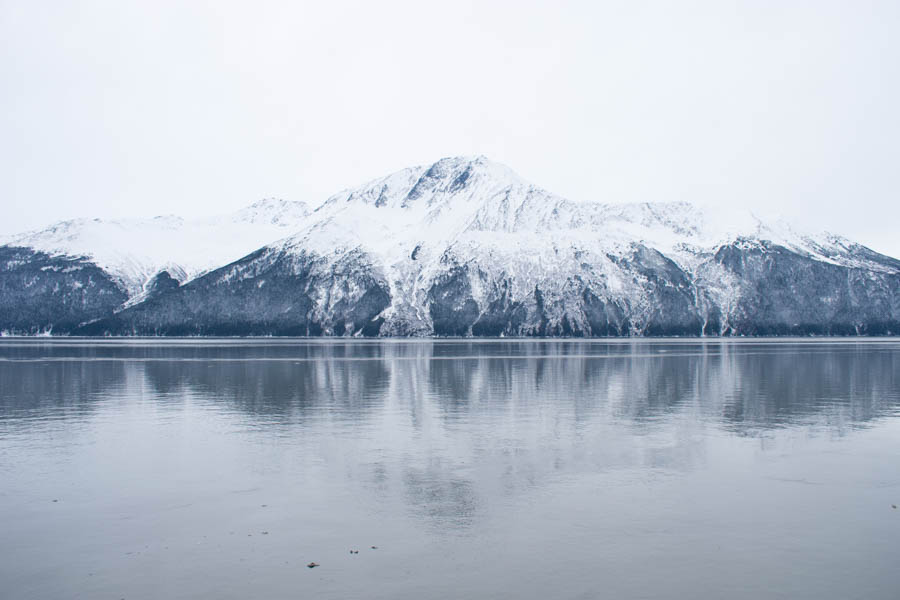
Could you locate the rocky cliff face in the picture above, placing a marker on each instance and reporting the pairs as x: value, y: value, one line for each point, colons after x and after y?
x: 465, y: 247
x: 781, y: 292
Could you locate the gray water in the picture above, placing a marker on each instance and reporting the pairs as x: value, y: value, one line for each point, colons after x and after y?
x: 479, y: 469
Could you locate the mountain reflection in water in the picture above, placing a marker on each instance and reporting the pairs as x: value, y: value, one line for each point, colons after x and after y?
x: 440, y: 448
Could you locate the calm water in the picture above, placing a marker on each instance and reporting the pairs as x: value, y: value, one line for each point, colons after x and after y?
x: 479, y: 469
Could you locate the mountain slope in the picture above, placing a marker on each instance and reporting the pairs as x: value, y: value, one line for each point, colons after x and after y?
x: 40, y: 293
x: 134, y: 251
x: 466, y: 247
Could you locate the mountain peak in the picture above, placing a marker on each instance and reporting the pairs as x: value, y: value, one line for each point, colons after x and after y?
x: 458, y: 169
x: 427, y: 185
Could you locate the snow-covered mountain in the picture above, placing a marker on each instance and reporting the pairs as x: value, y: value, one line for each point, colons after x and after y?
x: 133, y: 251
x: 466, y: 247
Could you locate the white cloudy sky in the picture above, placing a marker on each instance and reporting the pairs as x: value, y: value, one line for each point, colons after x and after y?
x: 137, y: 108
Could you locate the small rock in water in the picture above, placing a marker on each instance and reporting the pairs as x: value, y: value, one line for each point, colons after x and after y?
x: 374, y: 547
x: 56, y: 500
x: 312, y: 565
x: 894, y: 506
x: 265, y: 533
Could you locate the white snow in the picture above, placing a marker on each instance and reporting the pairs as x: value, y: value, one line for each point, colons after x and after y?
x: 495, y: 210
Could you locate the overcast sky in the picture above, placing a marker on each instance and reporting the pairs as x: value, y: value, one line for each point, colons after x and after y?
x: 140, y: 108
